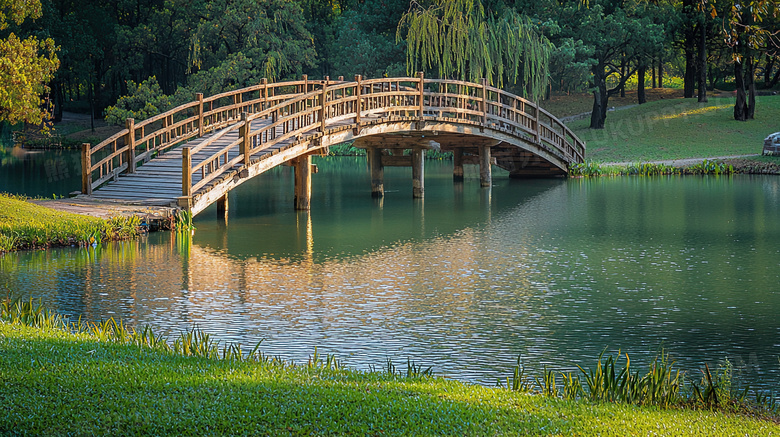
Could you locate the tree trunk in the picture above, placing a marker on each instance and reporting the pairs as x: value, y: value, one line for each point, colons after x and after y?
x: 750, y: 82
x: 652, y: 75
x: 660, y: 72
x: 623, y: 68
x: 740, y: 107
x: 770, y: 64
x: 703, y: 60
x: 600, y: 98
x: 775, y: 79
x: 640, y: 86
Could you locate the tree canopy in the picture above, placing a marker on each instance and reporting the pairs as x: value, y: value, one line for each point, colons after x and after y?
x: 459, y: 39
x: 92, y: 55
x: 26, y: 65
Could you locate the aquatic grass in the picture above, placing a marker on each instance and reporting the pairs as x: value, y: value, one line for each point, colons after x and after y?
x: 183, y: 221
x: 706, y: 167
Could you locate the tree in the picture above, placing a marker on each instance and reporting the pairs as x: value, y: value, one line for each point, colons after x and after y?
x: 616, y: 31
x: 26, y: 66
x: 458, y: 39
x: 271, y: 33
x: 750, y: 29
x: 143, y: 101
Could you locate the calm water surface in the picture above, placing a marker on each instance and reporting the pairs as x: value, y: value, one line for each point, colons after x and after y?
x: 465, y: 280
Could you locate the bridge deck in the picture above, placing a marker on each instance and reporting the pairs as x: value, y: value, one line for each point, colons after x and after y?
x: 146, y: 164
x: 158, y: 182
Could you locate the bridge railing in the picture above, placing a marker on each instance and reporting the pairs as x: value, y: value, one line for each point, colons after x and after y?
x: 346, y: 104
x: 303, y: 107
x: 139, y: 142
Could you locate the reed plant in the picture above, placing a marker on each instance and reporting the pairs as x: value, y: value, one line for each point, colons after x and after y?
x: 593, y: 169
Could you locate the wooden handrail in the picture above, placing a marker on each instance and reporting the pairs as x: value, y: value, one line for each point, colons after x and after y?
x: 304, y: 106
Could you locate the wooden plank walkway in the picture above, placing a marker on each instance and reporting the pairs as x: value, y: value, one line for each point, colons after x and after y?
x: 159, y: 181
x: 146, y: 164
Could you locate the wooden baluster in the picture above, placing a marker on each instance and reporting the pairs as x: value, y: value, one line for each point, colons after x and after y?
x: 421, y: 92
x: 86, y: 169
x: 199, y: 98
x: 130, y: 143
x: 483, y: 109
x: 358, y: 104
x: 186, y: 177
x: 264, y: 93
x: 323, y: 103
x: 537, y: 132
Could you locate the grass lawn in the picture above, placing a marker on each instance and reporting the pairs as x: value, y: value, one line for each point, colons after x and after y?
x: 25, y: 225
x: 678, y: 129
x: 57, y: 383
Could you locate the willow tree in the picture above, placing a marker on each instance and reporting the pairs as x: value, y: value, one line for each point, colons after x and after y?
x: 457, y: 39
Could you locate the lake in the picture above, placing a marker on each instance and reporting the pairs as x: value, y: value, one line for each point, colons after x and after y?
x: 465, y: 280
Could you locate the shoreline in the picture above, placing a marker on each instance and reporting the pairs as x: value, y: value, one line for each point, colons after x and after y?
x: 108, y: 375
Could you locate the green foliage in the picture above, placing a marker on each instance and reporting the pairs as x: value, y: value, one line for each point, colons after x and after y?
x: 183, y: 221
x: 458, y: 39
x: 27, y: 65
x: 272, y: 34
x: 359, y: 49
x: 143, y: 101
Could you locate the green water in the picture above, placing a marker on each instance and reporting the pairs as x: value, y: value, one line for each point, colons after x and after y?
x: 465, y: 280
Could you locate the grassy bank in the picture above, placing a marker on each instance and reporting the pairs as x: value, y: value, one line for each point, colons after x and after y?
x: 678, y: 129
x: 107, y: 380
x: 24, y: 225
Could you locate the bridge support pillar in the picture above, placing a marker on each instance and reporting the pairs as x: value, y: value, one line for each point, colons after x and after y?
x: 222, y: 206
x: 457, y: 159
x: 374, y: 155
x: 418, y: 169
x: 485, y: 174
x: 303, y: 183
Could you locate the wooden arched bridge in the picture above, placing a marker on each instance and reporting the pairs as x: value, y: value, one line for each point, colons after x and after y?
x: 193, y: 155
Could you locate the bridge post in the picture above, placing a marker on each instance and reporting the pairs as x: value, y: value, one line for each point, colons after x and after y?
x: 222, y: 206
x: 483, y: 104
x: 358, y: 105
x: 245, y: 148
x: 264, y: 83
x: 457, y: 159
x: 305, y: 79
x: 86, y: 169
x: 302, y: 183
x: 485, y: 174
x: 199, y: 98
x: 418, y: 170
x: 130, y: 143
x: 374, y: 155
x: 323, y: 102
x: 421, y: 97
x: 185, y: 201
x: 537, y: 131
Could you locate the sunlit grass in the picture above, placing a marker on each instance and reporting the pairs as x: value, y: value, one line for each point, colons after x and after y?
x: 679, y: 129
x: 24, y: 225
x: 110, y: 379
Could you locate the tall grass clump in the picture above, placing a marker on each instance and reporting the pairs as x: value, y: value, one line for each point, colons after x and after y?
x: 661, y: 385
x: 592, y: 169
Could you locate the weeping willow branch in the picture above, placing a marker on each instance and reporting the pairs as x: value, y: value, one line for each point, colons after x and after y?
x: 455, y: 38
